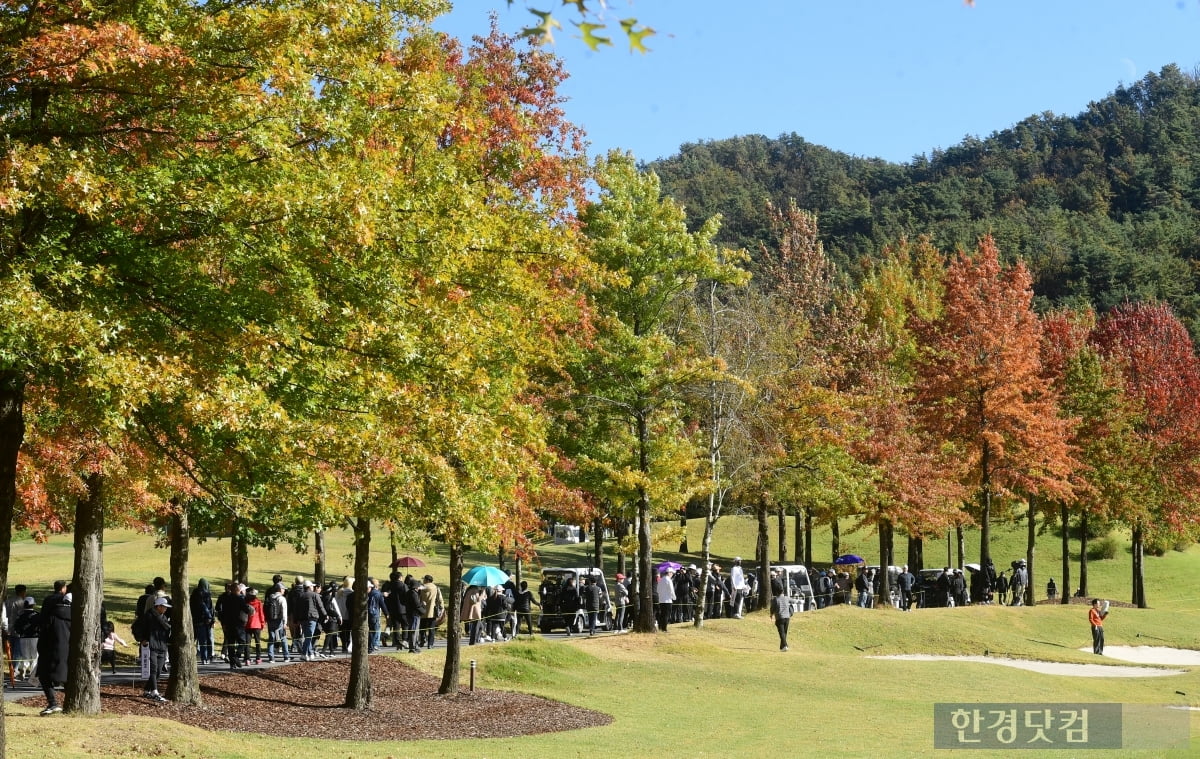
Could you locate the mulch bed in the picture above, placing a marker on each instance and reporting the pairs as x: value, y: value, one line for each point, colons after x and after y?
x: 304, y: 700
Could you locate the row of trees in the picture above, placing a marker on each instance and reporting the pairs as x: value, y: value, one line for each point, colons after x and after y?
x: 272, y: 267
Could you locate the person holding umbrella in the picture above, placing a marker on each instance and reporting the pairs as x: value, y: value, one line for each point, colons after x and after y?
x: 666, y: 597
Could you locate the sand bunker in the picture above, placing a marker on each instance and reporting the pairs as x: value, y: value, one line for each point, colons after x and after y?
x: 1181, y: 657
x: 1048, y: 667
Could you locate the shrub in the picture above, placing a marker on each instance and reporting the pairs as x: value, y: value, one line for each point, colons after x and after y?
x: 1106, y: 547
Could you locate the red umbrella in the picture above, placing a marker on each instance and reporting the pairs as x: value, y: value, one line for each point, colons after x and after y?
x: 407, y: 561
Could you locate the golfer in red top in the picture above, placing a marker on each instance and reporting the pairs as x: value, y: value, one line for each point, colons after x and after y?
x: 1096, y: 617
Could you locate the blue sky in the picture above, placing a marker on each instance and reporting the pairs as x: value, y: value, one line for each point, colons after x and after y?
x: 891, y: 79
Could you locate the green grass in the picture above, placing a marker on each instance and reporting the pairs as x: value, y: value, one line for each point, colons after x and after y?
x: 696, y: 693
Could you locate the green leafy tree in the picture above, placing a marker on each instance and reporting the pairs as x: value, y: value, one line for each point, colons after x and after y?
x: 636, y: 370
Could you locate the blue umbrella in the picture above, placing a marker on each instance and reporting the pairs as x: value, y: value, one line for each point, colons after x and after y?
x: 485, y: 576
x: 849, y: 559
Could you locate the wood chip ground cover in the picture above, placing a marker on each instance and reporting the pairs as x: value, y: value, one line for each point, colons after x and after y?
x: 304, y: 700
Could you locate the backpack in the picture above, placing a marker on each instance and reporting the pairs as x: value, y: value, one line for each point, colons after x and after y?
x: 138, y: 628
x: 273, y: 609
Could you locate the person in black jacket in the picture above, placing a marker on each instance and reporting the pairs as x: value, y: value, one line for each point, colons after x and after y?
x: 156, y: 636
x: 53, y: 644
x: 203, y: 619
x: 233, y: 612
x: 589, y: 598
x: 414, y: 609
x: 569, y: 603
x: 523, y: 605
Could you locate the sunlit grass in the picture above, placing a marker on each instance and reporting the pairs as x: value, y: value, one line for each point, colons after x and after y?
x: 691, y: 693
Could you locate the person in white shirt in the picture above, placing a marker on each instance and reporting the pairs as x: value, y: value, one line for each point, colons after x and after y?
x: 738, y: 586
x: 666, y: 598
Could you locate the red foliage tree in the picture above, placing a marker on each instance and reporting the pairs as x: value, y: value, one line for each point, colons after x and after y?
x: 980, y: 385
x: 1155, y: 355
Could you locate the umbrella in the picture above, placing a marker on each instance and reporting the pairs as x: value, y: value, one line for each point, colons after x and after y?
x: 672, y: 565
x: 972, y: 567
x: 407, y: 561
x: 485, y: 576
x: 849, y: 558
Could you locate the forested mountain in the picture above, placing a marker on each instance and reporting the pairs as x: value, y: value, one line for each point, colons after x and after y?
x: 1104, y: 206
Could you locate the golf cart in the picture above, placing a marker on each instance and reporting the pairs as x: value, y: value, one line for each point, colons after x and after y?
x: 554, y: 617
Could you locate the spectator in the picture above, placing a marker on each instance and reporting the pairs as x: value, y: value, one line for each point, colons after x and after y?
x: 523, y: 605
x: 108, y: 647
x: 255, y: 625
x: 737, y: 588
x: 666, y: 598
x: 415, y: 612
x: 156, y: 636
x: 54, y: 644
x: 275, y: 613
x: 569, y: 603
x: 471, y: 611
x: 906, y: 581
x: 375, y: 603
x: 590, y: 598
x: 203, y: 619
x: 431, y: 596
x: 621, y: 590
x: 233, y: 613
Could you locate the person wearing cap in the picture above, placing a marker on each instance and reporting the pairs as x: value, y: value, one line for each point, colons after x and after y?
x: 666, y: 598
x: 310, y: 613
x: 621, y: 591
x: 737, y: 587
x: 156, y: 638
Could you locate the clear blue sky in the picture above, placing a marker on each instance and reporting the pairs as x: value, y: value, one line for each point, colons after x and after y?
x: 886, y: 78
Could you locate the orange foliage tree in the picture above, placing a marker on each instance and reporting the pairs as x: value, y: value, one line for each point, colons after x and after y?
x: 980, y: 386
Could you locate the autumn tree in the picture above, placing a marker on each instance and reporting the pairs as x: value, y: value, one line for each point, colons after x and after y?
x: 912, y: 480
x: 1157, y: 361
x: 980, y: 388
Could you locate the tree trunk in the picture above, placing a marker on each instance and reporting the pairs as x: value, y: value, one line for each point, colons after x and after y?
x: 1083, y: 554
x: 836, y: 539
x: 764, y: 566
x: 781, y: 537
x: 1139, y: 587
x: 1065, y: 588
x: 184, y: 687
x: 500, y: 557
x: 243, y: 561
x: 12, y: 434
x: 82, y: 694
x: 960, y: 543
x: 644, y: 623
x: 799, y: 537
x: 597, y: 544
x: 808, y: 542
x: 1030, y: 537
x: 885, y: 561
x: 683, y: 544
x: 916, y: 554
x: 235, y: 537
x: 358, y: 692
x: 449, y: 682
x: 985, y: 510
x: 622, y: 533
x: 319, y: 558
